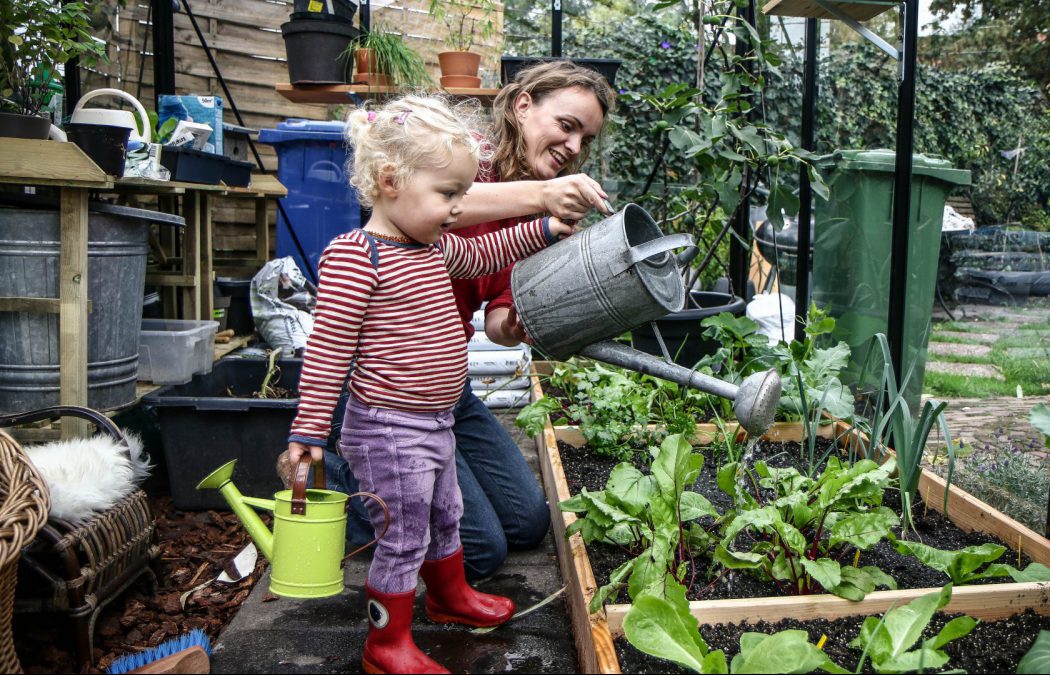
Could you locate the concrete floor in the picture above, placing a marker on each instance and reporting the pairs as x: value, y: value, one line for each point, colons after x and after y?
x: 271, y: 635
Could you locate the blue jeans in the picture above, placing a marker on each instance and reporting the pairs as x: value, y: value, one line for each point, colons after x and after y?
x: 503, y: 505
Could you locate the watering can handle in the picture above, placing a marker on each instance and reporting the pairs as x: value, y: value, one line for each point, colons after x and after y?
x: 143, y: 117
x: 302, y: 470
x: 636, y: 254
x: 386, y: 523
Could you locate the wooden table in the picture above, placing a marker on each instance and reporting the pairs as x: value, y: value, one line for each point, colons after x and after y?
x: 64, y: 165
x: 356, y: 93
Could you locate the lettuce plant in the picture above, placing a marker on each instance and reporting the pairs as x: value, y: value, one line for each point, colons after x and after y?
x: 795, y: 530
x: 663, y: 627
x: 964, y: 566
x: 648, y: 514
x: 1037, y: 660
x: 888, y: 641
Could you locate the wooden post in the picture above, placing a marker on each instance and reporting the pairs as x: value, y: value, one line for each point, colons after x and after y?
x: 207, y: 268
x: 191, y: 255
x: 262, y: 231
x: 73, y: 306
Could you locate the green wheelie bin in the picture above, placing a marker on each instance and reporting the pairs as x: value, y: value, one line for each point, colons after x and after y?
x: 851, y: 254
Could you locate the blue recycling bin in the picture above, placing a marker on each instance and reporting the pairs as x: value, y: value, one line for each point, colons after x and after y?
x: 311, y: 163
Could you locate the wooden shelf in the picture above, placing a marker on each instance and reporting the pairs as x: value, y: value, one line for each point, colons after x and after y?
x: 35, y: 162
x: 346, y: 93
x: 861, y: 11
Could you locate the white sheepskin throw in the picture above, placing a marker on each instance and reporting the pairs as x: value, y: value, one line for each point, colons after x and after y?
x: 89, y: 475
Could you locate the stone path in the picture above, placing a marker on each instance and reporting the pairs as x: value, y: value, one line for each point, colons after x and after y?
x: 326, y: 636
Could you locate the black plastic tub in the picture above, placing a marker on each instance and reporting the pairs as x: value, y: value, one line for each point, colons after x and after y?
x: 682, y: 331
x: 193, y: 166
x: 213, y: 419
x: 239, y: 315
x: 510, y: 65
x: 236, y: 173
x: 105, y: 144
x: 338, y: 10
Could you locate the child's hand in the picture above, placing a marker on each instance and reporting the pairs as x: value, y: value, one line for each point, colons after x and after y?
x: 297, y: 450
x: 560, y: 228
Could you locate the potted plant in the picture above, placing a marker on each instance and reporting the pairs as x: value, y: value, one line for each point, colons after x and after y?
x: 43, y: 35
x: 466, y: 20
x: 384, y: 59
x: 317, y: 48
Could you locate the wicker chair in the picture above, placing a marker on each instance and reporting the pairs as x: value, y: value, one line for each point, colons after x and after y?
x: 76, y: 570
x: 24, y: 503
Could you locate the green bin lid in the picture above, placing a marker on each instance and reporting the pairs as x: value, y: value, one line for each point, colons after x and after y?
x: 885, y: 160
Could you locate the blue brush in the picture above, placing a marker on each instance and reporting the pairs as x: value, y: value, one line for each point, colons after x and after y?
x: 188, y: 643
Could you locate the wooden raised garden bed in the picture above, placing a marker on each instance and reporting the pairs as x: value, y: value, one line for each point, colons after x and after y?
x: 594, y: 633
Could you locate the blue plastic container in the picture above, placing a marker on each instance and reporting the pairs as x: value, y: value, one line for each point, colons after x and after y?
x: 311, y: 163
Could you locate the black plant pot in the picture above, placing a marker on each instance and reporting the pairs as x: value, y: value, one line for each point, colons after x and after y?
x: 682, y: 331
x: 193, y: 166
x: 510, y: 65
x: 103, y: 143
x: 315, y: 51
x: 14, y: 125
x: 338, y: 10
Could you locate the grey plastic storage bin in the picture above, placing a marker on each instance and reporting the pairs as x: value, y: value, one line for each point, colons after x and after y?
x: 173, y: 351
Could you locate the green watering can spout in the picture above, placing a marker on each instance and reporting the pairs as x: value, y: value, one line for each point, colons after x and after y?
x: 242, y: 506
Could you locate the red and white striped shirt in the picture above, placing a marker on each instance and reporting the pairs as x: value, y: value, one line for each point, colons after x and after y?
x: 397, y: 321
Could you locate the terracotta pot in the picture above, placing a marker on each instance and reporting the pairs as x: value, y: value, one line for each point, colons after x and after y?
x: 461, y: 81
x: 459, y: 63
x: 366, y: 62
x: 373, y: 79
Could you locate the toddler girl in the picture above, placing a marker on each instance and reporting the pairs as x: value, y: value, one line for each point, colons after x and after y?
x: 385, y: 304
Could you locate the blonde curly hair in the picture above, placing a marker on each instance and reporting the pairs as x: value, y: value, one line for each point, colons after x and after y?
x: 409, y: 133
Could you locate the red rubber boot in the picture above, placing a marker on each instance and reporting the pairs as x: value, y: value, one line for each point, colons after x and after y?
x: 451, y: 600
x: 389, y: 647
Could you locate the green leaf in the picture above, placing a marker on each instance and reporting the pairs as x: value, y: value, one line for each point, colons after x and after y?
x: 694, y: 505
x: 1040, y: 419
x: 959, y: 565
x: 676, y: 466
x: 919, y: 660
x: 958, y: 627
x: 629, y: 486
x: 534, y: 416
x: 616, y: 582
x: 856, y: 583
x: 889, y: 639
x: 1034, y: 572
x: 864, y: 530
x: 665, y: 630
x: 824, y: 571
x: 879, y: 578
x: 1037, y: 660
x: 735, y: 560
x: 788, y: 651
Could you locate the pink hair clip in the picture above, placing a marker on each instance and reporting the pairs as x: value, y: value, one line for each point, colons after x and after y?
x: 403, y: 116
x: 372, y: 115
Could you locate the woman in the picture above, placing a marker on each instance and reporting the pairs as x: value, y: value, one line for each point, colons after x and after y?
x: 543, y: 123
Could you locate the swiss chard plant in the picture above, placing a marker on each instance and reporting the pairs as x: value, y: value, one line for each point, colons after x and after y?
x: 649, y: 515
x: 663, y: 627
x: 796, y: 531
x: 888, y: 641
x: 972, y: 563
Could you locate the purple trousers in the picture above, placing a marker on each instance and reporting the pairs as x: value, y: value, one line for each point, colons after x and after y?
x: 408, y: 459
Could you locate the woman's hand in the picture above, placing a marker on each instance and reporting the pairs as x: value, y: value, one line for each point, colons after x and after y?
x: 560, y: 229
x: 572, y: 197
x: 297, y: 450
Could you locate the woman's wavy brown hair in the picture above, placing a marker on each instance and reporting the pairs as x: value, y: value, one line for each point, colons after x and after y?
x: 509, y: 159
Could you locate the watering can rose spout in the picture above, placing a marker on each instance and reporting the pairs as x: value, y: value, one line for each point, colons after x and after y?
x: 242, y: 506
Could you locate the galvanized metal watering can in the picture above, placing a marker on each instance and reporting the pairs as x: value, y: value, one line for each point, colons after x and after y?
x: 576, y: 295
x: 305, y: 549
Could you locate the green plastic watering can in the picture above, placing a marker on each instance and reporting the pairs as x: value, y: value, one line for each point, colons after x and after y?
x: 306, y: 546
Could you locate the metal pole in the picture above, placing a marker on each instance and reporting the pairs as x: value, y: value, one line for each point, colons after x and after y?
x: 740, y: 245
x: 70, y: 84
x: 555, y: 27
x: 898, y: 300
x: 805, y: 190
x: 163, y: 50
x: 365, y: 11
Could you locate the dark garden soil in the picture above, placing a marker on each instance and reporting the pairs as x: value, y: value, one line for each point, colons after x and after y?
x: 582, y: 469
x: 195, y: 547
x: 992, y: 647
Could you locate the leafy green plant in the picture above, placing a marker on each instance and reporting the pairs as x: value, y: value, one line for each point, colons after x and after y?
x: 894, y: 425
x: 963, y: 566
x: 465, y: 21
x: 393, y: 56
x: 888, y: 641
x: 41, y: 36
x: 649, y: 515
x: 1037, y: 660
x: 663, y: 627
x: 798, y: 535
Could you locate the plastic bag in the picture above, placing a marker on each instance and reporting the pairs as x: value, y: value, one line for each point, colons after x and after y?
x: 282, y: 305
x: 765, y: 309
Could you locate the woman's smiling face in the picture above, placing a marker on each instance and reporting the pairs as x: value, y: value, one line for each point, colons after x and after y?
x: 557, y: 128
